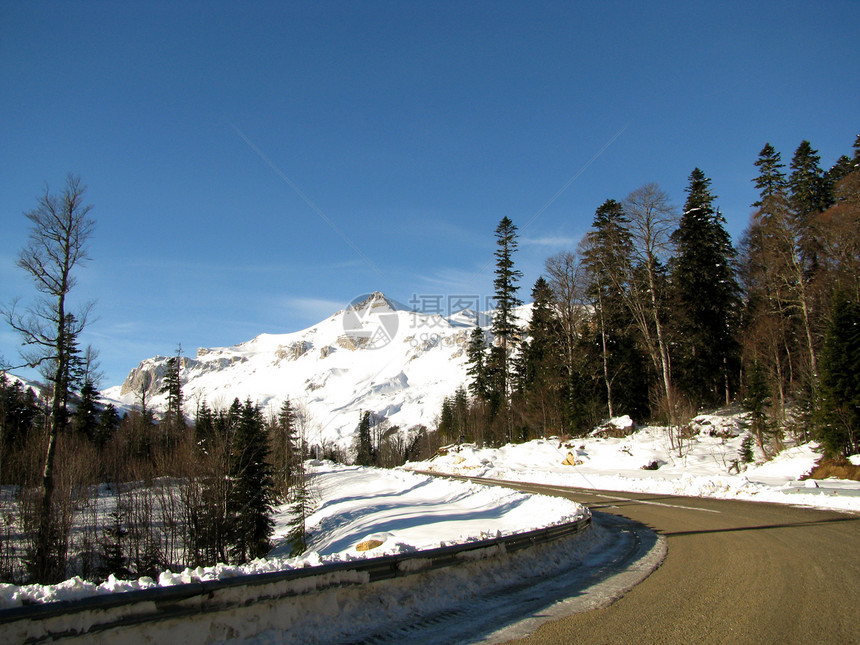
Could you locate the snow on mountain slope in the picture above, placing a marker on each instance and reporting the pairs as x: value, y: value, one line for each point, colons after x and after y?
x: 375, y: 355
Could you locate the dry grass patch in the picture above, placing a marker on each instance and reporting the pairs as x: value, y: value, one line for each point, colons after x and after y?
x: 838, y: 467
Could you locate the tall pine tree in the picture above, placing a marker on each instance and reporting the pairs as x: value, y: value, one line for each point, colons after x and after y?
x: 809, y: 190
x: 365, y: 454
x: 476, y: 364
x: 770, y: 181
x: 708, y: 298
x: 607, y: 252
x: 505, y: 329
x: 541, y: 367
x: 250, y: 502
x: 174, y: 420
x: 840, y: 379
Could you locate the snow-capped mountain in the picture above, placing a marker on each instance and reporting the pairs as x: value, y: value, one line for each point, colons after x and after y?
x: 374, y: 355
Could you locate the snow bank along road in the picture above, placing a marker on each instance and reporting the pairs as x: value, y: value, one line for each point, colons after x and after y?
x: 735, y: 572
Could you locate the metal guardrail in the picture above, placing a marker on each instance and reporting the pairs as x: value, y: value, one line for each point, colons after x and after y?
x: 135, y: 607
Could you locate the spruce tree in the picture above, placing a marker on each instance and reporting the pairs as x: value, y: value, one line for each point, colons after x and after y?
x: 204, y: 428
x: 446, y: 419
x: 810, y: 194
x: 301, y: 504
x: 841, y: 169
x: 365, y: 453
x: 769, y: 248
x: 840, y: 379
x: 461, y: 412
x: 756, y: 402
x: 505, y: 330
x: 708, y: 298
x: 770, y: 181
x: 174, y: 420
x: 250, y: 500
x: 607, y: 252
x: 301, y: 508
x: 290, y: 457
x: 475, y: 361
x: 112, y: 547
x: 86, y: 416
x: 542, y: 331
x: 108, y: 424
x: 541, y: 381
x: 809, y: 191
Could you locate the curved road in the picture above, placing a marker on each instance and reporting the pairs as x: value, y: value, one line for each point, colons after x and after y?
x: 735, y: 572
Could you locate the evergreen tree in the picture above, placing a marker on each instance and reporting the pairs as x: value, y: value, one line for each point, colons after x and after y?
x: 840, y: 379
x: 541, y: 367
x: 289, y: 453
x: 757, y: 401
x: 302, y: 507
x: 770, y: 181
x: 607, y: 258
x: 460, y: 413
x: 446, y: 419
x: 204, y: 427
x: 86, y: 416
x: 810, y: 194
x: 777, y: 269
x: 708, y: 298
x: 809, y: 191
x: 475, y: 361
x: 505, y: 330
x: 250, y: 500
x: 112, y: 547
x: 174, y: 420
x: 365, y: 456
x: 841, y: 169
x: 109, y: 421
x: 19, y: 414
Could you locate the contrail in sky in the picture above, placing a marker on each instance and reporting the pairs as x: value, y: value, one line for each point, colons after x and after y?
x: 575, y: 177
x: 563, y: 188
x: 304, y: 197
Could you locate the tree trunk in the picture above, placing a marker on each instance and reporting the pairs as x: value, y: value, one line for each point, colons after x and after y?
x: 606, y: 380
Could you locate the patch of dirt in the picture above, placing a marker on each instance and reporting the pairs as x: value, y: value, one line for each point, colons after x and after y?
x: 838, y: 467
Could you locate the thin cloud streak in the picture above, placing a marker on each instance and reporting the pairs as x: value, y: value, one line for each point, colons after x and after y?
x: 305, y: 198
x: 551, y: 241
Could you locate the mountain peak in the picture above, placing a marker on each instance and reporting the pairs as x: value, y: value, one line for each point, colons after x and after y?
x: 376, y: 302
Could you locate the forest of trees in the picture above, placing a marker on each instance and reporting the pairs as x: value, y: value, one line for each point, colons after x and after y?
x: 182, y: 493
x: 657, y: 315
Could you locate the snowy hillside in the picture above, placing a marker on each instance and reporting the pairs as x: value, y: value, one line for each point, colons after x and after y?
x: 642, y: 460
x: 374, y: 355
x: 400, y: 511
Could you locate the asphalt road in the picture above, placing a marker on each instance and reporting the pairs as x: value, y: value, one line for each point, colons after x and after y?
x: 735, y: 572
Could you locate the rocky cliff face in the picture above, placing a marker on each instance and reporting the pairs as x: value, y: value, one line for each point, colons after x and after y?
x: 149, y: 375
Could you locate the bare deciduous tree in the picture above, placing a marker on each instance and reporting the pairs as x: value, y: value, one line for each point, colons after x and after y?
x: 652, y: 220
x: 568, y: 286
x: 57, y: 244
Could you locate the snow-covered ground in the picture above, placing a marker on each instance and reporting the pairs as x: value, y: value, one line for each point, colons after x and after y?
x: 706, y: 466
x: 402, y: 511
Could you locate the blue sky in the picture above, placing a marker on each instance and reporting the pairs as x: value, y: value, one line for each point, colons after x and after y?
x: 255, y: 166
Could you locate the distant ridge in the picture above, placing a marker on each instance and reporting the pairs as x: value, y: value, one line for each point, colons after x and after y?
x: 375, y: 354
